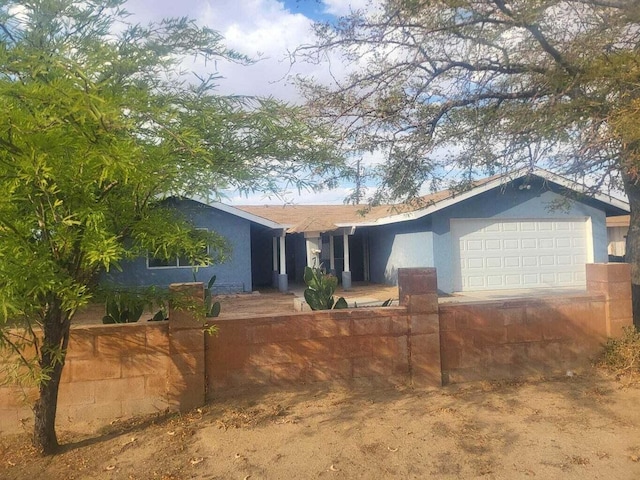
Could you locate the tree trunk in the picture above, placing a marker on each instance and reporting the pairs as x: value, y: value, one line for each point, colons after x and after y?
x: 632, y: 253
x: 52, y: 355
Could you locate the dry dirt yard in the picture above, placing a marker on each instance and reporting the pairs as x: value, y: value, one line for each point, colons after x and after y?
x: 580, y: 427
x: 267, y: 301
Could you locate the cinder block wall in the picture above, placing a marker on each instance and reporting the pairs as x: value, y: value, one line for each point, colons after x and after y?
x: 386, y: 345
x: 363, y: 345
x: 118, y: 371
x: 506, y: 339
x: 535, y: 335
x: 111, y: 372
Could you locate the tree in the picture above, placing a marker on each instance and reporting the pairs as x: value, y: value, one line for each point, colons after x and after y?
x: 99, y: 122
x: 471, y: 86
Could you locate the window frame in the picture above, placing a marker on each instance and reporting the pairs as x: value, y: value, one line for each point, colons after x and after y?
x: 176, y: 259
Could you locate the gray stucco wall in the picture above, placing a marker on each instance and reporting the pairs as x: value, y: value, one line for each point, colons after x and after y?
x: 234, y: 275
x: 408, y: 244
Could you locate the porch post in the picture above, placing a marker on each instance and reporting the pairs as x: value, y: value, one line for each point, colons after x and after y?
x: 283, y: 281
x: 332, y: 256
x: 313, y: 245
x: 274, y: 271
x: 346, y: 274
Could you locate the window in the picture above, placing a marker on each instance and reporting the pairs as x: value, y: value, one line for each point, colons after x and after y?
x: 153, y: 262
x: 177, y: 262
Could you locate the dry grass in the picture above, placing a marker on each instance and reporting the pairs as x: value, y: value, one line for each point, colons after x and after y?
x: 621, y: 356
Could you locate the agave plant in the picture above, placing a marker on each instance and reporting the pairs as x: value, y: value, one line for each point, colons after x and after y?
x: 123, y: 307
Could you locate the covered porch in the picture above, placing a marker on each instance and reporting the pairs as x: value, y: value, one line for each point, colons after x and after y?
x: 279, y: 256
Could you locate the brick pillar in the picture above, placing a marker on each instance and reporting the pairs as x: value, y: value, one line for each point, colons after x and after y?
x: 614, y: 281
x: 187, y: 385
x: 418, y: 291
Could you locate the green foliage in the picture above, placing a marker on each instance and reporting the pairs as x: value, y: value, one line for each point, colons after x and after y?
x: 128, y: 305
x: 160, y: 315
x: 622, y: 355
x: 100, y: 123
x: 320, y: 289
x: 123, y: 307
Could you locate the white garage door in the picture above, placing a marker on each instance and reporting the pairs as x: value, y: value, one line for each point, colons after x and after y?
x: 508, y: 254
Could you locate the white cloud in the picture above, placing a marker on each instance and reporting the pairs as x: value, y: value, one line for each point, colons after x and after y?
x: 265, y: 30
x: 342, y: 7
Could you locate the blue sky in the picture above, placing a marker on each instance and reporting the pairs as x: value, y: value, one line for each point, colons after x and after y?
x: 313, y: 9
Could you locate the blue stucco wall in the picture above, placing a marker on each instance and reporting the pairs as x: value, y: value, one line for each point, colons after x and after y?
x: 234, y: 275
x: 406, y: 244
x: 427, y: 242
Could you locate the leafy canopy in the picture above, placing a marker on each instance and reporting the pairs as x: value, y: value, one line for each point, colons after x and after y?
x: 485, y: 86
x: 100, y: 120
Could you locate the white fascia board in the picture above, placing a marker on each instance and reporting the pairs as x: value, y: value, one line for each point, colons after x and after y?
x: 242, y: 214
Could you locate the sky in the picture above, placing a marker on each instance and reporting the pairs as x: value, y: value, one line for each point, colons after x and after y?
x: 265, y: 30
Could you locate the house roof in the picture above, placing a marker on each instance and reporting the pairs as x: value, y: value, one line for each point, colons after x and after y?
x: 247, y: 215
x: 307, y: 218
x: 324, y: 218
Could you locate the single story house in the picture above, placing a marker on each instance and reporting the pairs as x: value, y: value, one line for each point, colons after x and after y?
x: 528, y: 229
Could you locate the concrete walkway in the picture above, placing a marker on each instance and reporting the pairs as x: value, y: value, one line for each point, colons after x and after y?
x: 489, y: 295
x: 368, y: 295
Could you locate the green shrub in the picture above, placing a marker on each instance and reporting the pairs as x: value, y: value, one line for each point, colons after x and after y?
x: 127, y: 305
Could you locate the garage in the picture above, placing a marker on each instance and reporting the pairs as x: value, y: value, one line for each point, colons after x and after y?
x: 492, y: 254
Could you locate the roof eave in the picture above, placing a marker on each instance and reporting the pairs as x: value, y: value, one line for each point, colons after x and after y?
x: 604, y: 198
x: 242, y: 214
x: 509, y: 177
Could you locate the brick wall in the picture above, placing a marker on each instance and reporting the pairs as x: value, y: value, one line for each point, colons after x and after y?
x: 613, y: 280
x: 118, y: 371
x: 111, y: 372
x: 387, y: 345
x: 362, y: 345
x: 514, y: 338
x: 535, y: 335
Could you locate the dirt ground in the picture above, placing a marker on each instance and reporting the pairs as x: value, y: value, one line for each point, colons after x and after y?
x: 580, y: 427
